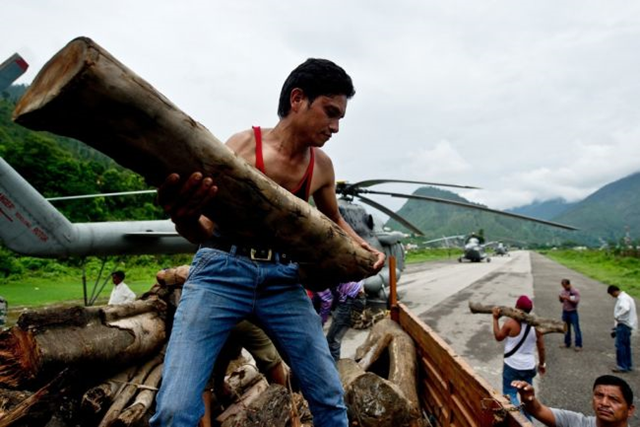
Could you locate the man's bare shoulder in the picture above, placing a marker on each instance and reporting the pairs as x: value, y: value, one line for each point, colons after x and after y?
x: 240, y: 140
x: 323, y: 161
x: 323, y: 169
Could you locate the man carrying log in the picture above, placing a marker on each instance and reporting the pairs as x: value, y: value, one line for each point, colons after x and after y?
x: 521, y: 339
x: 230, y: 282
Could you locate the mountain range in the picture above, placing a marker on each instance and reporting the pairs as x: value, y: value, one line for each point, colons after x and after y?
x: 606, y: 216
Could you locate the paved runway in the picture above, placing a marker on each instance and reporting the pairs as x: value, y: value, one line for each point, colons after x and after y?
x: 439, y: 294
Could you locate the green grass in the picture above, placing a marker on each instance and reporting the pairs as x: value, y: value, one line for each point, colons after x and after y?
x: 43, y: 282
x: 602, y: 266
x: 422, y: 255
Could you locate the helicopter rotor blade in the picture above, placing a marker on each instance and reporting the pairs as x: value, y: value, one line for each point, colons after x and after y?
x: 471, y: 206
x: 90, y: 196
x: 392, y: 214
x: 370, y: 182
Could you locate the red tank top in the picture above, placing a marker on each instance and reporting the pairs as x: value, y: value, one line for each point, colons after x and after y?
x: 303, y: 187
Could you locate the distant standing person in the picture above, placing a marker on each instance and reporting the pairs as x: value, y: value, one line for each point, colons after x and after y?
x: 120, y: 294
x: 4, y: 307
x: 521, y: 340
x: 626, y: 320
x: 612, y: 402
x: 570, y: 298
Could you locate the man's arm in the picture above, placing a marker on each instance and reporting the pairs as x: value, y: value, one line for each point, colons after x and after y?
x: 532, y: 405
x: 498, y: 332
x: 326, y: 202
x: 622, y: 307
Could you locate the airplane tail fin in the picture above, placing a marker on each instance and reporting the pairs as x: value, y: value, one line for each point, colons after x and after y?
x: 29, y: 224
x: 11, y: 69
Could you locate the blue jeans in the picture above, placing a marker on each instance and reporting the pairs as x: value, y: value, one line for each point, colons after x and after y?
x: 572, y: 321
x: 623, y: 347
x: 510, y: 374
x: 221, y: 290
x: 341, y: 322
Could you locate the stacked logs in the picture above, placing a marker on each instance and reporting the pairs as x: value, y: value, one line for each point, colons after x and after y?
x: 101, y: 366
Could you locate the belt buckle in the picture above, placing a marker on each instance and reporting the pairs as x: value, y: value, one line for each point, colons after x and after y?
x: 254, y: 257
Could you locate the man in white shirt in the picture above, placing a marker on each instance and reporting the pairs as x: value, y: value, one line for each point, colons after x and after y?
x: 121, y: 294
x: 612, y: 403
x: 626, y: 319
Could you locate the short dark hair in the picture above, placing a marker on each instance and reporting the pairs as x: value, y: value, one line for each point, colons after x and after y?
x: 119, y: 274
x: 627, y: 393
x: 612, y: 288
x: 316, y: 77
x: 567, y: 281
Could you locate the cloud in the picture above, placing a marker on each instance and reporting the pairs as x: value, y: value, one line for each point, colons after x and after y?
x: 530, y: 101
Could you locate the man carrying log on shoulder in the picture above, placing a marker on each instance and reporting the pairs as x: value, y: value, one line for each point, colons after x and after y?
x: 521, y: 340
x: 229, y: 282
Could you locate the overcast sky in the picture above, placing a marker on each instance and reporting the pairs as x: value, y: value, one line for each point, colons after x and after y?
x: 530, y: 100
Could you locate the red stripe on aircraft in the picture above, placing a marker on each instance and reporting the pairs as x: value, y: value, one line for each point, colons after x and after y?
x: 22, y: 63
x: 5, y: 215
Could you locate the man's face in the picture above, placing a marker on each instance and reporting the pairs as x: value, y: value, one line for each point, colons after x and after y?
x: 116, y: 280
x: 321, y: 118
x: 609, y: 405
x: 566, y: 285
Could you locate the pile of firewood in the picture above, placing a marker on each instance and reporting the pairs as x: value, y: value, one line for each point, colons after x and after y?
x: 101, y: 366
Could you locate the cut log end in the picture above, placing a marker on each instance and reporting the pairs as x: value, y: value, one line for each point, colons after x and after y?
x: 52, y: 79
x: 17, y: 365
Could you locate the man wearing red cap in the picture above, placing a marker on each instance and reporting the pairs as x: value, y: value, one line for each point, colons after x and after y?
x: 521, y: 339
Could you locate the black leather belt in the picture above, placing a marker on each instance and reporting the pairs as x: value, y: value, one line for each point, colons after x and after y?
x: 255, y: 254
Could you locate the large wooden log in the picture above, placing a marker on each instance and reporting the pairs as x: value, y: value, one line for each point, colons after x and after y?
x: 542, y: 324
x: 84, y: 92
x: 402, y: 361
x: 373, y: 401
x: 273, y: 407
x: 43, y: 347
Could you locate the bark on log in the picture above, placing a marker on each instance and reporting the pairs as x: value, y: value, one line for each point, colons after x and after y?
x: 97, y: 398
x: 245, y: 399
x: 129, y: 391
x: 373, y: 401
x: 84, y: 92
x: 35, y: 352
x: 542, y: 324
x: 242, y: 378
x: 134, y: 413
x: 402, y: 367
x: 271, y: 408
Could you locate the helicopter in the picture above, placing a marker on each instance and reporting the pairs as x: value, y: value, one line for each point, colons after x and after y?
x: 390, y: 241
x: 31, y: 225
x: 11, y: 69
x: 501, y: 249
x: 474, y: 249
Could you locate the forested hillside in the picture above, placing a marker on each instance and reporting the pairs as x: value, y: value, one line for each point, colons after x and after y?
x: 607, y: 216
x: 58, y: 166
x: 610, y: 214
x: 438, y: 220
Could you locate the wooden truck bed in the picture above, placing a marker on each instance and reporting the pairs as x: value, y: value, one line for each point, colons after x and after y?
x: 451, y: 393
